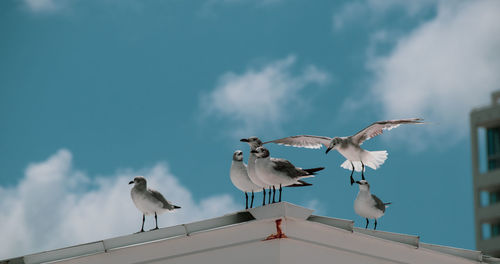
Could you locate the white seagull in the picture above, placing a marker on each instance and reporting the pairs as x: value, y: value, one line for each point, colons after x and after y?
x: 279, y: 172
x: 149, y: 201
x: 239, y: 177
x: 254, y: 143
x: 349, y: 147
x: 368, y: 205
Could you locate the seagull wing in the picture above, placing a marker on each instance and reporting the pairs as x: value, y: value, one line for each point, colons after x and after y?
x: 286, y: 167
x: 377, y: 128
x: 378, y: 203
x: 303, y: 141
x: 158, y: 196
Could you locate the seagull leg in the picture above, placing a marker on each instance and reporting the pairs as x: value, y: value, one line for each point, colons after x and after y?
x: 246, y: 200
x: 367, y: 222
x: 156, y: 221
x: 375, y: 228
x: 269, y: 198
x: 251, y: 203
x: 143, y: 219
x: 280, y: 193
x: 352, y: 172
x: 362, y: 171
x: 264, y: 197
x: 274, y: 194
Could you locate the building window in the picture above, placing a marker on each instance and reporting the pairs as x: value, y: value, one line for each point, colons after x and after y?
x: 494, y: 197
x: 490, y: 230
x: 495, y: 229
x: 493, y: 147
x: 486, y: 231
x: 489, y: 198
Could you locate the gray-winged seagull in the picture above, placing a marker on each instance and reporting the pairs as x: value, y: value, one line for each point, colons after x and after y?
x: 149, y: 201
x: 279, y: 172
x: 368, y: 205
x: 349, y: 147
x: 239, y: 177
x: 254, y: 143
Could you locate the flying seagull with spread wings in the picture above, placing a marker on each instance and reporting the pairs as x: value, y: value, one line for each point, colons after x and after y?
x: 356, y: 157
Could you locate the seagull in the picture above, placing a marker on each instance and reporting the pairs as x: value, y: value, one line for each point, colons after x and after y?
x: 239, y: 177
x: 279, y: 172
x: 368, y: 205
x: 349, y: 147
x: 149, y: 201
x: 254, y: 143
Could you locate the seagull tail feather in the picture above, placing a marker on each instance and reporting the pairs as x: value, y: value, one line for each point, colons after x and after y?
x: 313, y: 170
x: 372, y: 159
x: 300, y: 184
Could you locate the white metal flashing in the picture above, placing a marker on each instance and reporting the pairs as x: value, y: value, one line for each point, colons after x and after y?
x: 413, y: 241
x: 282, y: 209
x: 335, y: 222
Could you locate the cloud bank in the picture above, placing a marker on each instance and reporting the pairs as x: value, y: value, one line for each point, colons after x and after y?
x: 442, y: 69
x: 262, y: 98
x: 56, y: 206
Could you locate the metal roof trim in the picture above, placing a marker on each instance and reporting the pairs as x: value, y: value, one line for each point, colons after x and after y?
x: 65, y: 253
x: 459, y: 252
x: 395, y: 237
x: 335, y: 222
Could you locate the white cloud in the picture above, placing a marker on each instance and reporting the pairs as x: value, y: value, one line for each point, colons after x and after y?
x: 356, y: 11
x: 42, y: 5
x: 442, y: 69
x: 262, y: 98
x: 55, y: 206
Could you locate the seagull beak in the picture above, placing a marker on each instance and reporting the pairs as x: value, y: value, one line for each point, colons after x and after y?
x: 131, y: 182
x: 357, y: 182
x: 244, y: 140
x: 254, y: 151
x: 328, y: 150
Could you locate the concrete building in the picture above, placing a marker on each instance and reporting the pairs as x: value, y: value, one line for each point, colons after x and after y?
x: 276, y: 233
x: 485, y: 148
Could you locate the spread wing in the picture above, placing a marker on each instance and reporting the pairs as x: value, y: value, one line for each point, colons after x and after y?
x: 303, y: 141
x: 378, y: 203
x: 377, y: 128
x: 286, y: 167
x: 158, y: 196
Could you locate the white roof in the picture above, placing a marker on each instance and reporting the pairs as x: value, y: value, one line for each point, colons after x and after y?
x: 241, y: 238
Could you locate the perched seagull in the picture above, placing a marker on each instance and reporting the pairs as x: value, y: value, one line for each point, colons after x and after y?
x: 254, y: 143
x: 149, y: 201
x: 349, y: 147
x: 279, y: 172
x: 368, y: 205
x: 239, y: 177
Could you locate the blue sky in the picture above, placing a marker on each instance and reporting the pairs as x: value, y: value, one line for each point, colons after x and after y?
x: 95, y: 92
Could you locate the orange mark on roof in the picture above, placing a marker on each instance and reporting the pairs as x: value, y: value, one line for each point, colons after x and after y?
x: 279, y: 233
